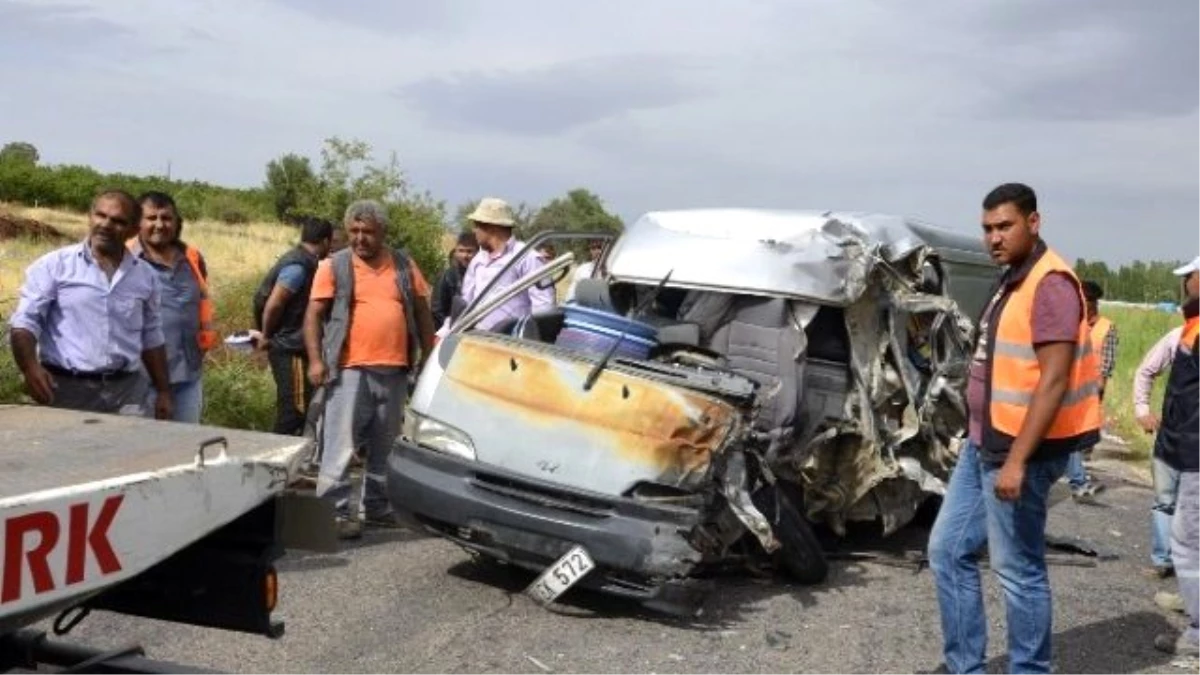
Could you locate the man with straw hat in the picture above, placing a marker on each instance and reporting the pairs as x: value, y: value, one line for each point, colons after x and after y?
x: 493, y: 223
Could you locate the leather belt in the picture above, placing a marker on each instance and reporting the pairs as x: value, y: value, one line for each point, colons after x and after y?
x: 101, y: 375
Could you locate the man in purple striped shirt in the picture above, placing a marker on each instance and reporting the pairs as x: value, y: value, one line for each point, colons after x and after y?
x: 493, y: 222
x: 88, y: 314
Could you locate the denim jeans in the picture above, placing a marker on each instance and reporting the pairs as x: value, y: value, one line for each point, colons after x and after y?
x: 1185, y: 547
x: 1015, y: 535
x: 187, y: 399
x: 1166, y: 488
x: 1076, y: 475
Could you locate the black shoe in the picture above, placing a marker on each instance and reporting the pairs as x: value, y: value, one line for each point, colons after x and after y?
x: 1159, y: 571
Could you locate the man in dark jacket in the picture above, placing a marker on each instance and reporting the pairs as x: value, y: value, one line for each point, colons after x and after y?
x: 1180, y: 436
x: 449, y: 284
x: 279, y: 307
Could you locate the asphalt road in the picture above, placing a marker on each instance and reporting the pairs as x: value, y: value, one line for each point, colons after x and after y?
x: 398, y: 602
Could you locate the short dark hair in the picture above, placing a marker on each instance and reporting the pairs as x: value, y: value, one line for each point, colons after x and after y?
x: 314, y: 230
x: 161, y: 200
x: 135, y: 207
x: 1092, y: 291
x: 467, y: 239
x: 1018, y: 194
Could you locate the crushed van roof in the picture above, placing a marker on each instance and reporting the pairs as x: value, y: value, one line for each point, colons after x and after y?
x: 821, y: 256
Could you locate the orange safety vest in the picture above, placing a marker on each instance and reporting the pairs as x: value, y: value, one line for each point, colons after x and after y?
x: 208, y: 337
x: 1191, y: 330
x: 1100, y: 332
x: 1015, y: 371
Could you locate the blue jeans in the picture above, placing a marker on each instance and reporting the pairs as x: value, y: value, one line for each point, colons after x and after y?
x: 1076, y: 476
x: 187, y: 397
x: 1166, y: 489
x: 1185, y: 547
x: 1015, y: 534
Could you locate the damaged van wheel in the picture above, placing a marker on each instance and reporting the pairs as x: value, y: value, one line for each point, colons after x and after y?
x: 800, y: 553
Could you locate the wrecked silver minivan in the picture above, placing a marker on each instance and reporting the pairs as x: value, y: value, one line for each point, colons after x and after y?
x: 734, y: 380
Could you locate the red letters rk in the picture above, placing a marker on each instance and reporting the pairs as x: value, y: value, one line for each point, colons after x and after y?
x: 35, y: 558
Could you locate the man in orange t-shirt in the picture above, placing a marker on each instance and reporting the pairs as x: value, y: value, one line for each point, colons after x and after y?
x: 368, y: 322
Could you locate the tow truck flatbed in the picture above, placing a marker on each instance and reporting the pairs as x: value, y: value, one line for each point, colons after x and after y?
x: 47, y: 448
x: 158, y: 519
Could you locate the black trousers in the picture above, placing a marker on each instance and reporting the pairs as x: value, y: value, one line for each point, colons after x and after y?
x: 293, y: 393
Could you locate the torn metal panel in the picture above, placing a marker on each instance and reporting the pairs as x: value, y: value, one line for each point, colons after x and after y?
x: 734, y: 486
x: 626, y: 429
x: 904, y: 410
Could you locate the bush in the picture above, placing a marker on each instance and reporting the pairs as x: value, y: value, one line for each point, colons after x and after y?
x: 239, y: 393
x: 235, y: 304
x: 12, y: 387
x: 72, y: 187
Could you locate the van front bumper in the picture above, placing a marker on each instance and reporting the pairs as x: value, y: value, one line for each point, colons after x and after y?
x: 640, y: 549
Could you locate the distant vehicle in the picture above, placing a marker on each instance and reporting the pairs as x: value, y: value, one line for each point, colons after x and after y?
x: 732, y: 379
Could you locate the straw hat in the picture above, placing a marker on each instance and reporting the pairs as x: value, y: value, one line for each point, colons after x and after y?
x: 493, y: 211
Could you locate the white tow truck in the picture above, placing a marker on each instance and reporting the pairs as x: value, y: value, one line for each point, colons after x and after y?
x: 162, y: 520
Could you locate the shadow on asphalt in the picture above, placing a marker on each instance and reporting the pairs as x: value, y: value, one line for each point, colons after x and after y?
x: 1121, y: 645
x: 305, y: 561
x: 732, y: 595
x: 735, y: 593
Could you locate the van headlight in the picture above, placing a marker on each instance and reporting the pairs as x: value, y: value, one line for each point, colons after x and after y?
x: 434, y: 435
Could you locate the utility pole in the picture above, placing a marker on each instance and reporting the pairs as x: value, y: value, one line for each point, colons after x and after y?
x: 168, y: 169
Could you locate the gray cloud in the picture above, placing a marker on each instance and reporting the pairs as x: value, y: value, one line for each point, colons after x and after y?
x: 386, y: 18
x: 1090, y: 60
x: 57, y: 34
x: 550, y: 100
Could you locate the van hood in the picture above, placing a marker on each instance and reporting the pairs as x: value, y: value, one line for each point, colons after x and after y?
x: 524, y: 407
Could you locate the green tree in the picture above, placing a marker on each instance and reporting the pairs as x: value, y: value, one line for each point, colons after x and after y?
x: 292, y: 185
x: 349, y: 172
x: 19, y: 151
x: 579, y: 211
x: 1138, y: 281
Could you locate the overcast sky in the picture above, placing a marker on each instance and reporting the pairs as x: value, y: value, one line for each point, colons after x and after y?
x: 909, y: 106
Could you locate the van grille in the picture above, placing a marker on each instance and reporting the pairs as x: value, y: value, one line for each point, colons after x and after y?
x: 543, y: 495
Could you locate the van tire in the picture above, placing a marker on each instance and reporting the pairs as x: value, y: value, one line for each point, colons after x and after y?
x: 800, y: 554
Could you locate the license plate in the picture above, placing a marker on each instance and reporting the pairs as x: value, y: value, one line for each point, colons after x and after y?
x: 563, y: 574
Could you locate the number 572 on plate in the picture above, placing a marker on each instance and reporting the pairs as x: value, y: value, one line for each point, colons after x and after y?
x: 563, y: 574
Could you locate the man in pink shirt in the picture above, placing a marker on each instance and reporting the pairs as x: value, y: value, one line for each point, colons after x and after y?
x: 1166, y: 480
x: 493, y: 223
